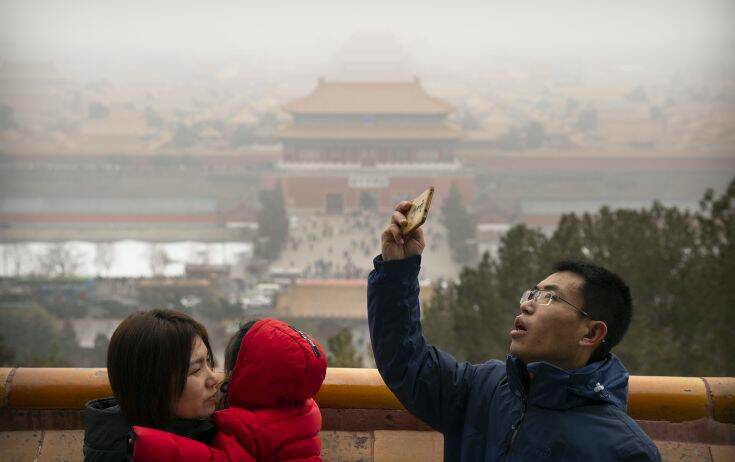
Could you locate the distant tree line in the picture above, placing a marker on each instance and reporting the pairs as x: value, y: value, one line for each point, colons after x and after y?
x: 461, y: 227
x: 679, y: 265
x: 37, y: 329
x: 273, y: 224
x: 31, y: 336
x: 7, y: 118
x: 341, y: 351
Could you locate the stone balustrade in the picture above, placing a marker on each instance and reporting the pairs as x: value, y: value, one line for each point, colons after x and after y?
x: 689, y: 418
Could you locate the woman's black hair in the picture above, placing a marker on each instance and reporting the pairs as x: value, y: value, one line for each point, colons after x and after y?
x: 148, y: 363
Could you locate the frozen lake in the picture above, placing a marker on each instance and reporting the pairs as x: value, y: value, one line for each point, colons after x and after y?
x: 126, y: 258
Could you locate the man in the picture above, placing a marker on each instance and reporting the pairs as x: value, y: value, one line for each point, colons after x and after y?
x: 559, y: 396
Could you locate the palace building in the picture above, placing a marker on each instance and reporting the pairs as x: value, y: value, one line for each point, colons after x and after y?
x: 356, y: 145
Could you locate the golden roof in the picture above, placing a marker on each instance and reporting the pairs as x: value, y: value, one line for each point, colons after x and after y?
x: 330, y: 298
x: 369, y: 98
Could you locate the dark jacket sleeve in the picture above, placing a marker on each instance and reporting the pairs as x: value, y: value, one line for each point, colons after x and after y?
x: 430, y: 383
x: 637, y: 447
x: 104, y: 455
x: 648, y: 453
x: 644, y: 456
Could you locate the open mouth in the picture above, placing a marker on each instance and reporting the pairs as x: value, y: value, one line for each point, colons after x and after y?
x: 518, y: 329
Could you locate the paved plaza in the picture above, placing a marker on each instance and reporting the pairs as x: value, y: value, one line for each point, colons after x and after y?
x: 342, y: 246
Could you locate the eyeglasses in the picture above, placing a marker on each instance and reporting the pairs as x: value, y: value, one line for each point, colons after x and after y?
x: 544, y: 297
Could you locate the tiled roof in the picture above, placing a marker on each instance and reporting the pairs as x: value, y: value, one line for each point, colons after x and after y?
x: 369, y: 98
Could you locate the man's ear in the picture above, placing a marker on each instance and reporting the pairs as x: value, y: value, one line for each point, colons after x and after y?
x: 596, y: 333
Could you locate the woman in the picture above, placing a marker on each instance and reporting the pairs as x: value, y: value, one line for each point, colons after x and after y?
x: 160, y: 367
x: 274, y: 370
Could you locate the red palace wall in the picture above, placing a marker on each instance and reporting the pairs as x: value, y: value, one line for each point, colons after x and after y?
x: 310, y: 192
x: 48, y: 218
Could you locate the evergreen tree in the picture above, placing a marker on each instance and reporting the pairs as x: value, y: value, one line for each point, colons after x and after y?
x: 438, y: 318
x: 217, y: 309
x: 342, y: 352
x: 587, y: 120
x: 99, y: 353
x: 184, y: 137
x: 478, y: 309
x: 273, y: 224
x: 535, y: 135
x: 38, y: 337
x: 7, y: 118
x: 7, y: 354
x: 512, y: 139
x: 712, y: 299
x: 461, y: 228
x: 678, y: 265
x: 53, y: 358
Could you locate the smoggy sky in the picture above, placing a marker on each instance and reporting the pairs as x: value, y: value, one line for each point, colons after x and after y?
x: 79, y: 30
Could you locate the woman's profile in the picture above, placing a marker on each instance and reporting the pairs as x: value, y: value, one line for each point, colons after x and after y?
x: 160, y: 367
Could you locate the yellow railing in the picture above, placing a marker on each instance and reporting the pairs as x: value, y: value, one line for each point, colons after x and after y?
x: 671, y: 399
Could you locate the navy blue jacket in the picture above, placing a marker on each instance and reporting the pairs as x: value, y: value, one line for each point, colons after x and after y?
x: 492, y: 411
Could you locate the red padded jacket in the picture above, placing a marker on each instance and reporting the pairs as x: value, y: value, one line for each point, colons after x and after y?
x: 272, y: 416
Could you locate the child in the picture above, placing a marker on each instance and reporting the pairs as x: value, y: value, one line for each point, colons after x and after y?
x: 273, y: 372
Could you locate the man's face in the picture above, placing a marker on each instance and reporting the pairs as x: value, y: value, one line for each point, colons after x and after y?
x: 551, y: 333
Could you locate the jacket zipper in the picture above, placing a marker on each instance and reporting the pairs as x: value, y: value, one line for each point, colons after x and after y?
x: 516, y: 427
x: 308, y: 340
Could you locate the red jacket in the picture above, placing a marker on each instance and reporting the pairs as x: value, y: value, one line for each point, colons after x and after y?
x: 272, y: 416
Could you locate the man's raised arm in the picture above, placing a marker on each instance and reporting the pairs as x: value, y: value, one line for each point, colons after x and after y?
x: 431, y: 384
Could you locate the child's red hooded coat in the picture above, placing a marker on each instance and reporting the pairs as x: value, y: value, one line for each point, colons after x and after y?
x: 271, y: 414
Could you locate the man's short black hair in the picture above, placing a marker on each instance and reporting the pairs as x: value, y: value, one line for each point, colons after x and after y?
x: 606, y: 298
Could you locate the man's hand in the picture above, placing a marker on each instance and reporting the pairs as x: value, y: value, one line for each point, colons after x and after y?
x: 395, y: 245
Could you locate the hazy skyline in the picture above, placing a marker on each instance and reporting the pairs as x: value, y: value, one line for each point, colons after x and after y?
x: 87, y: 31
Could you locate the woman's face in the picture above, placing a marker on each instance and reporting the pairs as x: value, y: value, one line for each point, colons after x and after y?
x: 199, y: 397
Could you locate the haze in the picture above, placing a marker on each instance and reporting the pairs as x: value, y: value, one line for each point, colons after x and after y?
x: 468, y: 33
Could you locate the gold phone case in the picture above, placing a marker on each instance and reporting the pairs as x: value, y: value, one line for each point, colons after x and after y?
x: 419, y: 210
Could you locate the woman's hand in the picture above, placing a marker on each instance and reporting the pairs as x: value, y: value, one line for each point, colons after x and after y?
x: 396, y: 246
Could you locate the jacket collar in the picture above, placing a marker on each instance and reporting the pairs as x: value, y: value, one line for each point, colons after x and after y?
x: 196, y: 429
x: 604, y: 381
x: 105, y: 426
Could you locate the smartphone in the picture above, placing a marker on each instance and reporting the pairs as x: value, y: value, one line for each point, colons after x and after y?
x: 416, y: 216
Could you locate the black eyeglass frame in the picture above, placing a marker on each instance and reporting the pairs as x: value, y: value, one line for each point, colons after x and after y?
x: 530, y: 294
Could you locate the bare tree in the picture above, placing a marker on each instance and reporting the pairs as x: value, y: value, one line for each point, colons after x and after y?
x: 59, y: 260
x: 13, y: 257
x: 201, y: 255
x: 104, y: 257
x: 159, y: 259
